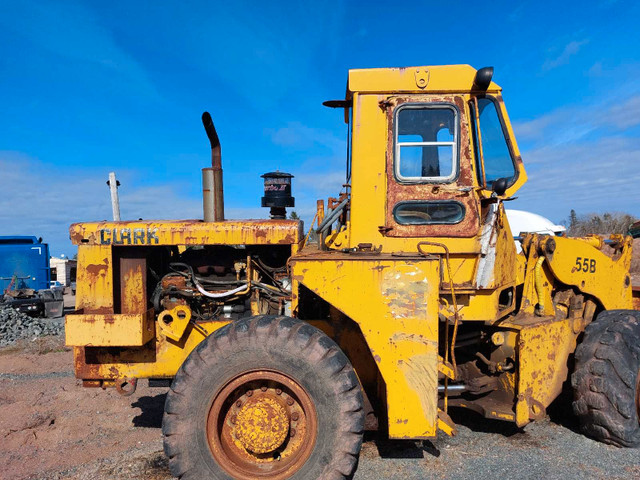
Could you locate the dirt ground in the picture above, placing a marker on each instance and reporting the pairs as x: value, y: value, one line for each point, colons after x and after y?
x: 53, y: 428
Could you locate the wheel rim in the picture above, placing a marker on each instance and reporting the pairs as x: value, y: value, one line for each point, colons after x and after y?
x: 261, y: 424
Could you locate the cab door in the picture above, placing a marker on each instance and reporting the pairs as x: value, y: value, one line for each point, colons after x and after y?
x: 431, y: 190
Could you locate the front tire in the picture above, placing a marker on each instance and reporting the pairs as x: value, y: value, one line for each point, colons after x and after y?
x: 264, y: 397
x: 606, y: 380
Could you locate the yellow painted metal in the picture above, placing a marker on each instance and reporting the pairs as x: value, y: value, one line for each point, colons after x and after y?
x: 395, y: 297
x: 446, y: 368
x: 446, y: 424
x: 262, y: 424
x: 544, y: 344
x: 173, y: 323
x: 94, y: 280
x: 188, y: 232
x: 160, y: 358
x: 578, y: 263
x: 537, y: 280
x: 423, y: 79
x: 109, y: 330
x: 395, y: 303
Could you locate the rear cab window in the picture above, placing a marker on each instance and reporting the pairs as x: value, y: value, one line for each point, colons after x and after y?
x: 426, y: 143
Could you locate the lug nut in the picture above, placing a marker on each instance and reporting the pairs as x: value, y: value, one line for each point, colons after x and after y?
x: 294, y: 416
x: 289, y: 401
x: 238, y: 403
x: 249, y: 393
x: 234, y: 419
x: 292, y: 432
x: 278, y: 391
x: 264, y: 389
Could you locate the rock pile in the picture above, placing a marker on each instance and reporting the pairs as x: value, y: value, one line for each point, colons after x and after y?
x: 15, y: 326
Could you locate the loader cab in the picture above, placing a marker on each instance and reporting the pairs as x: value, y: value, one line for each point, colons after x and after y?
x: 429, y: 146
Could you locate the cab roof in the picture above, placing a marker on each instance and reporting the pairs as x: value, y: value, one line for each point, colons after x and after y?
x: 431, y: 79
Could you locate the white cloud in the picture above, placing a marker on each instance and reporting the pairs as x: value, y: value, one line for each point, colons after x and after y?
x: 595, y: 176
x: 569, y: 50
x: 625, y: 115
x: 582, y: 157
x: 42, y: 200
x: 575, y: 123
x: 297, y: 136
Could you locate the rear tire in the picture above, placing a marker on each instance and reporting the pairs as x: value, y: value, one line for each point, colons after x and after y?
x: 294, y: 372
x: 606, y: 382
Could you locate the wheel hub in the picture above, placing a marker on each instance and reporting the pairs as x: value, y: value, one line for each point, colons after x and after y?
x: 262, y: 424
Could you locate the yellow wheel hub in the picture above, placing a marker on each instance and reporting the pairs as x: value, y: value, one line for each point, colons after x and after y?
x: 262, y: 424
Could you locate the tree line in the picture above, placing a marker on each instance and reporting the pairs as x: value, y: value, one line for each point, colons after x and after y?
x: 602, y: 224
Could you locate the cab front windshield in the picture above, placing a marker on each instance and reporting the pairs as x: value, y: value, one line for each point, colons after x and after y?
x: 490, y: 144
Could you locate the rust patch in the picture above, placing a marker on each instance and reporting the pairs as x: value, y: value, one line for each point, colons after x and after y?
x: 96, y: 269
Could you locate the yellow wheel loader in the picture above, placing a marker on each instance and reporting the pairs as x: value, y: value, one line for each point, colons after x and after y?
x: 414, y: 300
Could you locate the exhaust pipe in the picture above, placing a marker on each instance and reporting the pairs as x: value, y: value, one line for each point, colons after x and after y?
x: 212, y: 191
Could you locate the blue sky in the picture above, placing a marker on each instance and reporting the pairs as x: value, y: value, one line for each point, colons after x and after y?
x: 90, y: 87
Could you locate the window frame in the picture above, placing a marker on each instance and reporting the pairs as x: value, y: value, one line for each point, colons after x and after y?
x: 422, y: 202
x: 473, y: 130
x: 455, y: 144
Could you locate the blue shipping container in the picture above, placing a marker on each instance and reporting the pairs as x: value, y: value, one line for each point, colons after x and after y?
x: 27, y: 259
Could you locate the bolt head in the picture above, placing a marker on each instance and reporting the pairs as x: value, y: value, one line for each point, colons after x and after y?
x: 249, y: 393
x: 264, y: 389
x: 238, y: 403
x: 292, y: 432
x: 289, y: 401
x: 295, y: 416
x: 278, y: 391
x: 234, y: 419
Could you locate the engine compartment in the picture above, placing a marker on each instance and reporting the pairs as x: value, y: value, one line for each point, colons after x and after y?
x: 224, y: 282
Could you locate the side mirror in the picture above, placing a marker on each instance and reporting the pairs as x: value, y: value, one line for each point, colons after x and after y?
x: 499, y: 186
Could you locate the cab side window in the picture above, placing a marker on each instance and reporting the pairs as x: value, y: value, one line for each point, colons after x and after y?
x: 495, y: 153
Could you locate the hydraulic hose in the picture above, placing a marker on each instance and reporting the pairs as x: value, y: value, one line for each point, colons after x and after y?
x: 244, y: 288
x: 332, y: 217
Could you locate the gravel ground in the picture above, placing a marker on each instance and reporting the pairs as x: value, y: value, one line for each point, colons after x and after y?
x: 16, y: 326
x: 543, y: 450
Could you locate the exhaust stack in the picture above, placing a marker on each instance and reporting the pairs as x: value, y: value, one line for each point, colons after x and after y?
x: 212, y: 191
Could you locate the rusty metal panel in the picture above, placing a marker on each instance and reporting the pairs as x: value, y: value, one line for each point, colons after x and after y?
x: 394, y: 300
x: 187, y: 232
x: 544, y: 346
x: 159, y: 358
x: 94, y: 292
x: 109, y: 330
x: 133, y: 285
x: 460, y: 190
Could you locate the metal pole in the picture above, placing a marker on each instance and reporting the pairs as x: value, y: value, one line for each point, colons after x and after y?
x: 115, y: 202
